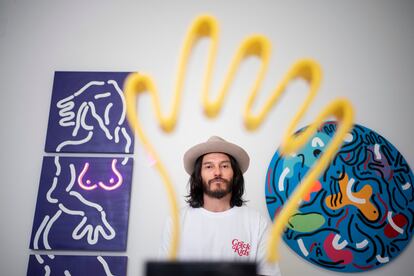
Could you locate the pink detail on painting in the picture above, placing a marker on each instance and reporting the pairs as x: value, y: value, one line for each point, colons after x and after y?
x: 344, y: 256
x: 118, y: 174
x: 269, y: 186
x: 87, y: 184
x: 80, y: 179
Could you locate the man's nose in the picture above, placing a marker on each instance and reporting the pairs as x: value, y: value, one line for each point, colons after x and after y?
x: 217, y: 171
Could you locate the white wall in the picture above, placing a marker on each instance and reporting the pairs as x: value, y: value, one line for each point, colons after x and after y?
x: 364, y: 47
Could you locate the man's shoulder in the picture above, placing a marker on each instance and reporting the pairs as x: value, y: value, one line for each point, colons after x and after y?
x: 254, y: 214
x: 189, y: 211
x: 250, y: 211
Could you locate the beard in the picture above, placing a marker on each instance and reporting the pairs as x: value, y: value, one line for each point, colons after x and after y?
x: 218, y: 192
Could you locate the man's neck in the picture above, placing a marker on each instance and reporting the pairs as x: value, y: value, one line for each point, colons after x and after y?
x: 217, y: 204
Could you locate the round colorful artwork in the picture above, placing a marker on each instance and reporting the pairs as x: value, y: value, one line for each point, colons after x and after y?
x: 359, y: 215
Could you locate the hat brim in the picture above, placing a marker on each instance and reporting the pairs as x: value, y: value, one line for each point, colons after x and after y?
x: 201, y: 149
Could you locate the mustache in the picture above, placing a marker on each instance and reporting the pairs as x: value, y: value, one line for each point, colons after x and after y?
x: 218, y: 179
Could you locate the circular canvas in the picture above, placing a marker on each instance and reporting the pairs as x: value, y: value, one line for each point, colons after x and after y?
x: 359, y: 214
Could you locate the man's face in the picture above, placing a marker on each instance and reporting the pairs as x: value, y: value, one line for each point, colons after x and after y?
x: 217, y: 175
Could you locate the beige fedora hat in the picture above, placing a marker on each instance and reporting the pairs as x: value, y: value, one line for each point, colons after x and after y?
x: 216, y: 144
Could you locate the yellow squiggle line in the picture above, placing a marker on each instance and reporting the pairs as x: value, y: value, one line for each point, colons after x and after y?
x: 135, y: 83
x: 259, y: 46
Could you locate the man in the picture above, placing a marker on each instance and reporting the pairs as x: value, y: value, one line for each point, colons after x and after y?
x: 217, y: 226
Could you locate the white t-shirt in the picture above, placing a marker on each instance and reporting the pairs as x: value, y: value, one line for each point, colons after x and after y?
x: 238, y: 234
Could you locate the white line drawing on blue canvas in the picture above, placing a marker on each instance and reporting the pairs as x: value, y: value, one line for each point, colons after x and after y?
x: 78, y: 265
x: 76, y: 109
x: 96, y: 110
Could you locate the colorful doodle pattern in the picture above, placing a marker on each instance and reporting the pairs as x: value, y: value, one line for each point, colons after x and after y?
x: 359, y: 215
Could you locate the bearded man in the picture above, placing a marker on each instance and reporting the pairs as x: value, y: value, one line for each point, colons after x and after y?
x: 217, y: 225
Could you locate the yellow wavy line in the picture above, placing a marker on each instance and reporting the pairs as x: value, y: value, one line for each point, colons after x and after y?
x: 259, y: 46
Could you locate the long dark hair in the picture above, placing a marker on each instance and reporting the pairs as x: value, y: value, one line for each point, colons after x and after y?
x: 195, y: 197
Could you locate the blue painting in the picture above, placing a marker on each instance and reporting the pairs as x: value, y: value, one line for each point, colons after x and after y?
x: 83, y: 204
x: 88, y: 114
x: 359, y: 215
x: 77, y: 265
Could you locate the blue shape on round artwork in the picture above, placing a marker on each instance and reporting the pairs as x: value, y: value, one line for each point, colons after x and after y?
x: 359, y: 215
